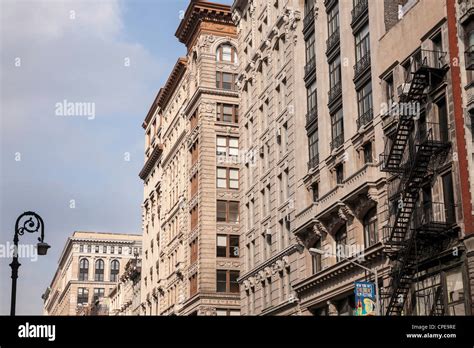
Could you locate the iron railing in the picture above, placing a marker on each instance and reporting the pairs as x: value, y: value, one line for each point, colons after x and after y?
x: 310, y: 67
x: 312, y: 115
x: 362, y: 65
x: 335, y: 92
x: 359, y: 9
x: 313, y: 162
x: 365, y: 118
x: 332, y: 40
x: 308, y: 19
x: 469, y: 56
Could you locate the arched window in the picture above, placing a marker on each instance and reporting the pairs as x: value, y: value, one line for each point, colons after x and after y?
x: 99, y: 270
x: 83, y: 269
x: 341, y: 242
x: 226, y: 53
x: 114, y: 270
x: 370, y: 228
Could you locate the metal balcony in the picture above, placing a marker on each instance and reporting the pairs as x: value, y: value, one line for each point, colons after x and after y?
x: 311, y: 116
x: 362, y: 65
x: 365, y: 118
x: 332, y: 41
x: 434, y: 217
x: 360, y: 9
x: 335, y: 92
x: 308, y: 19
x: 310, y: 67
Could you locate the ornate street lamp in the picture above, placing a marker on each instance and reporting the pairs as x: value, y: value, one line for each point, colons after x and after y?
x: 30, y: 222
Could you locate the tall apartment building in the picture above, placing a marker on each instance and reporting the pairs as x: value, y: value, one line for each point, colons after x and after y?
x: 191, y: 174
x: 410, y: 219
x: 89, y: 268
x: 124, y: 298
x: 271, y: 50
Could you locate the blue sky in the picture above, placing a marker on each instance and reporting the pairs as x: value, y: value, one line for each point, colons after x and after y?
x: 76, y: 50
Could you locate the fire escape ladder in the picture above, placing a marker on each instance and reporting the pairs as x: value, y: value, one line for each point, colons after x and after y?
x: 402, y: 277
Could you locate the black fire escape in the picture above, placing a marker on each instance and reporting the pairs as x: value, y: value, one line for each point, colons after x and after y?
x: 409, y: 151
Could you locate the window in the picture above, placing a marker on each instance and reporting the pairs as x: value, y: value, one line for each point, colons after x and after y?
x: 114, y: 270
x: 389, y: 90
x: 337, y: 128
x: 311, y: 98
x: 227, y: 147
x: 228, y: 178
x: 120, y: 250
x: 194, y: 250
x: 227, y: 312
x: 339, y: 174
x: 82, y: 296
x: 98, y: 293
x: 194, y: 217
x: 227, y: 113
x: 341, y: 242
x: 333, y: 20
x: 362, y: 43
x: 112, y: 249
x: 226, y: 281
x: 83, y: 269
x: 227, y: 246
x: 227, y: 211
x: 96, y: 249
x: 99, y: 271
x: 313, y: 149
x: 193, y: 284
x: 315, y: 191
x: 335, y: 72
x: 368, y: 156
x: 370, y: 228
x: 226, y: 53
x: 310, y: 50
x: 316, y: 258
x: 455, y: 292
x: 364, y: 104
x: 89, y: 248
x: 225, y: 81
x: 81, y: 248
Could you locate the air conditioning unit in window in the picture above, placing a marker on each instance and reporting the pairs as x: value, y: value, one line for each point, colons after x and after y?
x: 278, y: 134
x: 261, y: 151
x: 268, y: 232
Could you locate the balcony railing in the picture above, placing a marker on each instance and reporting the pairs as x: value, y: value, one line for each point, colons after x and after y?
x: 313, y: 162
x: 311, y: 116
x: 335, y: 92
x: 365, y: 118
x: 359, y: 9
x: 362, y: 65
x: 429, y: 59
x: 337, y: 141
x: 333, y: 40
x: 433, y: 216
x: 469, y: 55
x: 310, y: 67
x: 308, y: 19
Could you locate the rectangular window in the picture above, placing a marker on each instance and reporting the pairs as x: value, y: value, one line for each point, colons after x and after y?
x: 364, y: 104
x: 362, y: 43
x: 227, y: 211
x: 313, y: 149
x: 389, y: 90
x: 225, y: 81
x: 368, y: 156
x: 82, y: 296
x: 227, y: 113
x: 96, y: 249
x: 337, y: 128
x: 194, y: 217
x: 228, y: 178
x: 227, y: 246
x: 226, y: 281
x: 310, y: 49
x: 81, y: 248
x: 227, y: 147
x: 194, y: 250
x: 193, y: 285
x: 98, y: 293
x: 335, y: 72
x: 333, y: 20
x: 339, y: 174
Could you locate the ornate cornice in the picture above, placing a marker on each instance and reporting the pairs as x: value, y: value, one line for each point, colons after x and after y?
x: 155, y: 155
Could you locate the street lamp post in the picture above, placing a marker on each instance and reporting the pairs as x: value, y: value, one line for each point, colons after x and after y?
x: 373, y: 271
x: 31, y: 223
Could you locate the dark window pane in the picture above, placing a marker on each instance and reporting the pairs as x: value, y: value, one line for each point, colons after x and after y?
x: 221, y: 281
x: 221, y: 211
x: 234, y: 285
x: 234, y: 246
x: 234, y: 212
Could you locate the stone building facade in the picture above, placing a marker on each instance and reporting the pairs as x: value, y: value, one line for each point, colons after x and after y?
x: 271, y: 50
x: 124, y: 298
x: 191, y: 214
x: 89, y: 268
